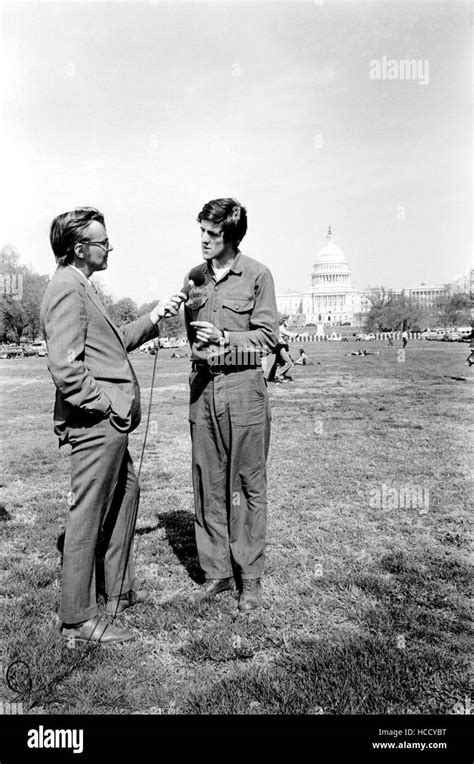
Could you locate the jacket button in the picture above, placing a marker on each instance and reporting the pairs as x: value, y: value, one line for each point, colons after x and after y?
x: 237, y: 307
x: 214, y: 309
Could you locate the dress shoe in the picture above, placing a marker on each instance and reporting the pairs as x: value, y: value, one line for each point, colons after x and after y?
x: 214, y: 586
x: 97, y: 629
x: 115, y: 606
x: 251, y: 595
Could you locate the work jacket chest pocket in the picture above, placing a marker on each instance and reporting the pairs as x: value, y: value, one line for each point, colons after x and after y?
x: 196, y: 305
x: 236, y: 313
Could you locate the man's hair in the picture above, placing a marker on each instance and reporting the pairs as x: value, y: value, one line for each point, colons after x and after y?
x: 68, y: 228
x: 230, y: 214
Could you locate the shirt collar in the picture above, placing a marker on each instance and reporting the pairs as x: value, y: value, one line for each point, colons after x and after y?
x: 236, y: 266
x: 79, y: 271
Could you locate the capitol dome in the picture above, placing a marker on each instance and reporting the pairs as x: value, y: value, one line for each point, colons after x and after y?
x: 330, y: 253
x: 330, y: 301
x: 331, y: 270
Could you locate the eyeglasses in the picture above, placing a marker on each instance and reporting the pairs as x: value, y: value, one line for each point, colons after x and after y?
x: 105, y: 245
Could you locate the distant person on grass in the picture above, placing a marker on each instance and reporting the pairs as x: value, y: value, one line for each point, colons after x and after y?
x: 283, y: 361
x: 97, y: 406
x: 470, y: 358
x: 303, y: 359
x: 363, y: 352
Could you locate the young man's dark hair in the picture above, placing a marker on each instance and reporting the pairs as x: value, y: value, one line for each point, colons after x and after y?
x: 68, y: 229
x: 230, y: 214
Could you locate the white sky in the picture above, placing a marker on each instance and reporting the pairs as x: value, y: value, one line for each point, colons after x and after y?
x: 135, y: 108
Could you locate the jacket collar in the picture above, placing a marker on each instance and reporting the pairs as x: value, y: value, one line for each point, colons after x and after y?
x: 92, y: 295
x: 77, y: 270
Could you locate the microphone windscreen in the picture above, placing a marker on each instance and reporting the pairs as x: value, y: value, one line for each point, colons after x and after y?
x: 196, y: 274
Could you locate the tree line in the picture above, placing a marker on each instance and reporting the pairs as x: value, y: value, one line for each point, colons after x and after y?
x: 397, y: 312
x: 20, y: 313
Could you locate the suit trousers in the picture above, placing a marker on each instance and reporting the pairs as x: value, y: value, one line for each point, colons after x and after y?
x: 230, y: 432
x: 101, y: 520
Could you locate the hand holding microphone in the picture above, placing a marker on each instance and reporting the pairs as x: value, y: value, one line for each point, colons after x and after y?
x: 169, y: 306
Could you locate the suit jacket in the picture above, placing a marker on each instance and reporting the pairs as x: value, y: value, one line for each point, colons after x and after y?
x: 87, y: 356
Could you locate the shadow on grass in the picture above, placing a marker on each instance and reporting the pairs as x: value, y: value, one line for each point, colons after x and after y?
x: 240, y: 641
x: 60, y: 544
x: 424, y: 601
x: 179, y: 528
x: 361, y: 676
x: 4, y: 514
x: 413, y: 660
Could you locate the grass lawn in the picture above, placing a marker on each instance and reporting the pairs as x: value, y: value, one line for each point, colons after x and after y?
x: 366, y: 589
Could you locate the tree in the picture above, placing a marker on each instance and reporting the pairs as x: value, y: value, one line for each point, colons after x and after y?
x: 13, y: 318
x: 9, y: 259
x: 404, y: 313
x: 34, y: 287
x: 380, y: 301
x: 20, y: 312
x: 124, y: 311
x: 107, y: 300
x: 392, y: 312
x: 453, y: 310
x: 171, y: 326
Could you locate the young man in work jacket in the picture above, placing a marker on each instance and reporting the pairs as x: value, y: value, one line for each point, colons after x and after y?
x: 231, y: 321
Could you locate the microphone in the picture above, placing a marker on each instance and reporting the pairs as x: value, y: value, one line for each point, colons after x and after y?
x: 195, y: 278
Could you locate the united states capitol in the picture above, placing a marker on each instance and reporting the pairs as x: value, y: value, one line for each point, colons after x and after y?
x: 332, y: 301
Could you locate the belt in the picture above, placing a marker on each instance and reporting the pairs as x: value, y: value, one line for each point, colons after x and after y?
x: 206, y: 368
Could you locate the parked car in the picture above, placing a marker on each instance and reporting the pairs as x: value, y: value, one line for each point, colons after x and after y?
x: 148, y: 347
x: 173, y: 342
x: 465, y: 332
x: 334, y: 337
x: 11, y: 351
x: 452, y: 336
x: 39, y: 346
x: 29, y: 351
x: 434, y: 334
x: 365, y: 337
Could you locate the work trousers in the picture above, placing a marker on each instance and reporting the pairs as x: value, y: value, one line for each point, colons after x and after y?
x: 230, y: 432
x: 103, y: 503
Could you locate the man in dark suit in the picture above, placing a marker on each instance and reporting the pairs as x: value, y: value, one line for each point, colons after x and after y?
x: 97, y: 405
